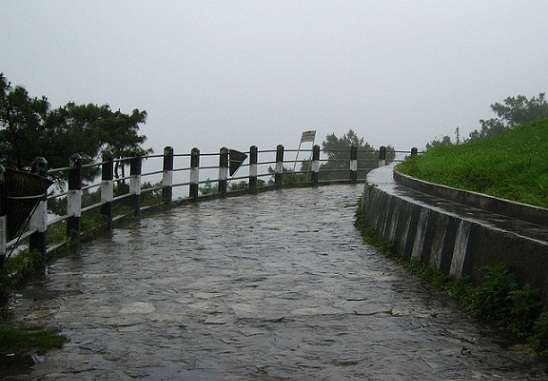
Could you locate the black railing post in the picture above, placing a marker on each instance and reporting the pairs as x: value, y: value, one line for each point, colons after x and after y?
x: 315, y: 165
x: 414, y: 151
x: 167, y: 181
x: 353, y: 163
x: 3, y: 218
x: 135, y: 184
x: 223, y: 171
x: 382, y: 156
x: 39, y: 219
x: 74, y: 197
x: 107, y: 187
x: 253, y: 157
x: 194, y: 173
x: 279, y: 170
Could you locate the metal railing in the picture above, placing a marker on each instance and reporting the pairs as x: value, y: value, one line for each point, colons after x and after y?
x: 179, y: 178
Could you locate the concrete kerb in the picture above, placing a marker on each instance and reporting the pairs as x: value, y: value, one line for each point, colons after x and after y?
x: 453, y: 235
x: 533, y: 214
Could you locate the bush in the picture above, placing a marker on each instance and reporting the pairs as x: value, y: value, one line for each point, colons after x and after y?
x: 501, y: 300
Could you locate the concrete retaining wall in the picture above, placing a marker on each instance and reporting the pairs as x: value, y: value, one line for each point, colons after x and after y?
x: 454, y: 238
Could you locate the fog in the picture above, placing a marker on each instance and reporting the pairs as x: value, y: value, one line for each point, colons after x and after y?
x: 241, y: 73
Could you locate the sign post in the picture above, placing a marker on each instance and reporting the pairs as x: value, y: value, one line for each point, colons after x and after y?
x: 307, y: 136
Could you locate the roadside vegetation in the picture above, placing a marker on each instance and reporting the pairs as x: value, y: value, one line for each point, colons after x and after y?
x: 512, y: 166
x: 499, y: 300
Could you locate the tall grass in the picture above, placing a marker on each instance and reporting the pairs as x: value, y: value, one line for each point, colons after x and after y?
x: 512, y: 166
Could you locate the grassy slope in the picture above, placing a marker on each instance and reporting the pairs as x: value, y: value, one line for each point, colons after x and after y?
x: 513, y: 166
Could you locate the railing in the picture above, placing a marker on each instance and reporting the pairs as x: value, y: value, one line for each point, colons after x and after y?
x: 179, y: 179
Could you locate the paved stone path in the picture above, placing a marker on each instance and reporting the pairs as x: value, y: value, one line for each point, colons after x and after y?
x: 274, y: 286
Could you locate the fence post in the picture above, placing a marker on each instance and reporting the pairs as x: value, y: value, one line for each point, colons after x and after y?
x: 382, y: 156
x: 414, y: 151
x: 315, y: 165
x: 278, y: 172
x: 107, y: 187
x: 135, y: 184
x: 353, y: 164
x: 167, y: 180
x: 194, y: 173
x: 3, y: 218
x: 74, y: 197
x: 223, y: 171
x: 39, y: 219
x: 253, y: 157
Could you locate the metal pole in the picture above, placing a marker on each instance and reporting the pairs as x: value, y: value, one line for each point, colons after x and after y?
x: 38, y: 220
x: 278, y: 172
x: 167, y: 181
x: 107, y: 186
x: 253, y: 156
x: 194, y: 173
x: 223, y: 171
x: 74, y: 197
x: 135, y: 184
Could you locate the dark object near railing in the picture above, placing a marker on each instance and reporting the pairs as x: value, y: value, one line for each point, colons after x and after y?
x: 24, y: 190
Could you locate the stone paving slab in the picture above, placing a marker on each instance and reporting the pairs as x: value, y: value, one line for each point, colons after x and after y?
x: 274, y: 286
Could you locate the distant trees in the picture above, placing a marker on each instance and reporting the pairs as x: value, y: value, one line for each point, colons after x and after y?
x: 338, y: 154
x: 29, y: 128
x: 513, y: 112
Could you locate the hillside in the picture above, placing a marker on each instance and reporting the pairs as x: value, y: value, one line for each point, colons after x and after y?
x: 513, y: 166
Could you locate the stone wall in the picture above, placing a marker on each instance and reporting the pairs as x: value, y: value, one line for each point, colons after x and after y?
x: 452, y: 237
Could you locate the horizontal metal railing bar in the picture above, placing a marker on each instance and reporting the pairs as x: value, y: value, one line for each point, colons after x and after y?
x: 209, y: 167
x: 58, y: 219
x: 90, y: 186
x: 343, y: 175
x: 22, y: 237
x: 152, y: 156
x: 239, y: 178
x: 57, y: 195
x: 55, y: 246
x: 152, y: 173
x: 181, y: 184
x: 56, y: 170
x: 121, y: 197
x: 152, y: 189
x: 91, y: 207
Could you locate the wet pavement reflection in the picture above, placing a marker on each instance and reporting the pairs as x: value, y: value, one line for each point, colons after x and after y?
x: 273, y: 286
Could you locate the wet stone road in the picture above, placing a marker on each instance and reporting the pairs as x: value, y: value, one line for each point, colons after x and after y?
x: 274, y: 286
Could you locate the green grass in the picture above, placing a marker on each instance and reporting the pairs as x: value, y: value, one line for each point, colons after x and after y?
x: 19, y: 341
x: 512, y: 166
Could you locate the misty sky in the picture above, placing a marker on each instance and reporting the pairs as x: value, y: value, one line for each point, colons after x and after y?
x: 241, y: 73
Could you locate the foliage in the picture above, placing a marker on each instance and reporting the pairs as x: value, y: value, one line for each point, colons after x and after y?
x: 500, y: 299
x: 19, y: 341
x: 290, y: 177
x: 511, y: 166
x: 16, y: 269
x: 445, y: 141
x: 514, y: 112
x: 22, y: 128
x: 539, y: 338
x: 29, y: 128
x: 338, y: 155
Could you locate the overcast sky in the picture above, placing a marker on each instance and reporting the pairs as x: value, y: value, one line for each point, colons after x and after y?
x: 241, y: 73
